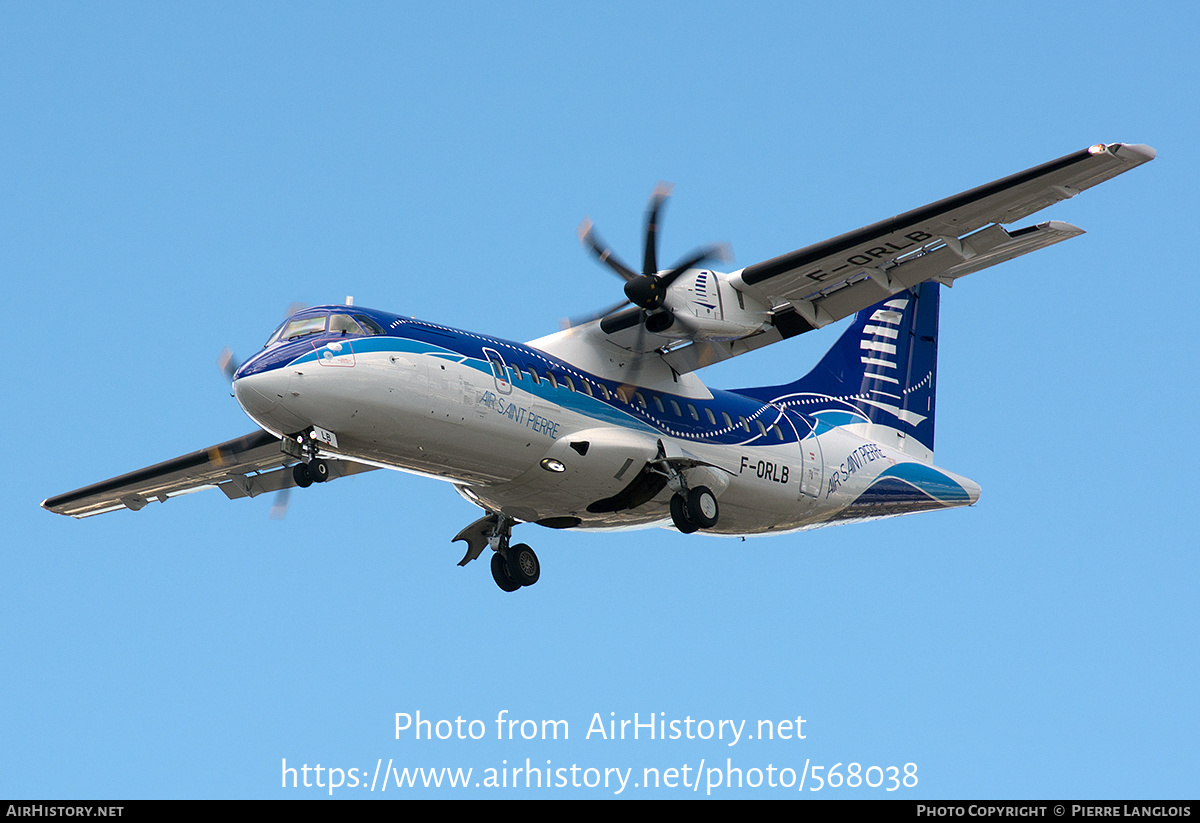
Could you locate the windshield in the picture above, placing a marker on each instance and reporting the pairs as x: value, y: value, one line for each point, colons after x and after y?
x: 357, y: 325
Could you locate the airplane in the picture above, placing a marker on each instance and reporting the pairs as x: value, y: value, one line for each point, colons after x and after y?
x: 605, y: 424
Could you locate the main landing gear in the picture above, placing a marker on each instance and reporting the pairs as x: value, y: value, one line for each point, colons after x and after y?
x: 513, y: 566
x: 693, y: 509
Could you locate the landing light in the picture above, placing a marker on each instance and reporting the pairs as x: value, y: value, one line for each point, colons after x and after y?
x: 552, y: 465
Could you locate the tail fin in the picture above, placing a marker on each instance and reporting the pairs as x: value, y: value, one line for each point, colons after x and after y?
x: 880, y: 377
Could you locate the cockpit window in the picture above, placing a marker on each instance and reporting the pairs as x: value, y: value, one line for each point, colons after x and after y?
x: 303, y: 328
x: 275, y: 334
x: 369, y: 325
x: 358, y: 325
x: 345, y: 324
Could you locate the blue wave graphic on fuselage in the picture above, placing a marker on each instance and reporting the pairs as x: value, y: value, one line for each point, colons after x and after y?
x: 904, y: 488
x: 727, y: 418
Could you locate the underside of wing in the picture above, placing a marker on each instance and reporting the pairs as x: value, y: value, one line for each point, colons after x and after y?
x: 244, y: 467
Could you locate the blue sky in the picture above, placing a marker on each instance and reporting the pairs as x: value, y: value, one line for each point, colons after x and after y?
x: 176, y: 175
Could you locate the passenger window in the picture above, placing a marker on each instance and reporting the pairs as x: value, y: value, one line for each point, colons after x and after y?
x: 728, y: 421
x: 744, y: 423
x: 550, y: 377
x: 692, y: 411
x: 675, y: 408
x: 711, y: 418
x: 778, y: 434
x: 637, y: 395
x: 604, y: 391
x: 658, y: 404
x: 568, y: 382
x: 536, y: 380
x: 761, y: 428
x: 587, y: 388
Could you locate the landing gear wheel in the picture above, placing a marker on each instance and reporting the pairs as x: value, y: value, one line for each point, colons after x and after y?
x: 500, y: 573
x: 301, y: 475
x: 319, y: 470
x: 680, y: 515
x: 523, y: 565
x: 702, y: 506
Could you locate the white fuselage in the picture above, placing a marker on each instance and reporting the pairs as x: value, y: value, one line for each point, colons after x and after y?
x: 440, y: 412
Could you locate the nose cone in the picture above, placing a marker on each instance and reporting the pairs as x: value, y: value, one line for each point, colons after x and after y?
x: 259, y: 393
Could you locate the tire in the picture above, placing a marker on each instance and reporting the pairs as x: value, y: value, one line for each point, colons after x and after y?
x: 702, y: 506
x: 680, y: 515
x: 523, y: 565
x: 301, y: 475
x: 319, y: 470
x: 500, y: 573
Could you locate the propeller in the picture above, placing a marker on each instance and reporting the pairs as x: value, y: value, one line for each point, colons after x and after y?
x: 229, y: 365
x: 647, y: 290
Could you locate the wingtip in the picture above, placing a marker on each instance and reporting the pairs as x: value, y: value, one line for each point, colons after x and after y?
x: 1136, y: 153
x: 1143, y: 152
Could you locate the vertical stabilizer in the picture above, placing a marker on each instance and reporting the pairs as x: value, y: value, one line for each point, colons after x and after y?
x: 880, y: 377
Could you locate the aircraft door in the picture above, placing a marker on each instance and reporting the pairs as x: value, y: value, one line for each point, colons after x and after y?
x: 812, y: 466
x: 499, y: 371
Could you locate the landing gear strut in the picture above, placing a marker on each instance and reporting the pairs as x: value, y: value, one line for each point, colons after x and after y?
x: 312, y: 469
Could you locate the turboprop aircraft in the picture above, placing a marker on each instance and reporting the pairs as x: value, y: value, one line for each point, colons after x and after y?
x: 605, y: 424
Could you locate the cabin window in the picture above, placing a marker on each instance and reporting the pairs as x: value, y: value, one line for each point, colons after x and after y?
x: 658, y: 404
x: 675, y: 408
x: 692, y: 411
x: 516, y: 372
x: 728, y: 421
x: 604, y: 391
x: 761, y: 428
x: 550, y: 377
x: 587, y: 388
x: 711, y: 418
x: 537, y: 381
x: 620, y: 392
x: 744, y: 423
x: 637, y: 395
x: 777, y: 432
x: 568, y: 382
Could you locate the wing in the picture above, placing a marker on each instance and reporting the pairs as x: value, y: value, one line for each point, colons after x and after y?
x: 244, y: 467
x: 824, y: 282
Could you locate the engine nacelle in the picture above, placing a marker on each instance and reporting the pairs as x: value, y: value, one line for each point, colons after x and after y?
x: 703, y: 305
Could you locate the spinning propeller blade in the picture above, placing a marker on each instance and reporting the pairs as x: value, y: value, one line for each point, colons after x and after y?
x: 647, y: 290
